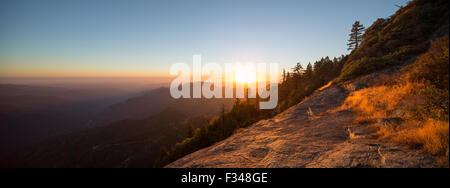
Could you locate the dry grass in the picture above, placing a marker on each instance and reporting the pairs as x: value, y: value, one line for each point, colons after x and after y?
x: 326, y: 86
x: 385, y: 102
x: 311, y: 114
x: 433, y: 136
x: 353, y: 135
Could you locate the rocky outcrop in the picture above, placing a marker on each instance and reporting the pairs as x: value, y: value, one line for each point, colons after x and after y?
x: 296, y: 139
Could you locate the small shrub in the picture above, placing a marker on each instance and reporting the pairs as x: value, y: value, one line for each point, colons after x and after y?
x: 432, y: 66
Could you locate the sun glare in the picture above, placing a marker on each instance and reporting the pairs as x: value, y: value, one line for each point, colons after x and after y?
x: 245, y: 75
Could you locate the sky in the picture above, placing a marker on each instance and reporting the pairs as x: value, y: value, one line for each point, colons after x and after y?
x: 143, y: 38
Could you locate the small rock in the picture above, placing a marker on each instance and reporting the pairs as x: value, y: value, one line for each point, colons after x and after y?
x: 390, y: 121
x: 399, y: 113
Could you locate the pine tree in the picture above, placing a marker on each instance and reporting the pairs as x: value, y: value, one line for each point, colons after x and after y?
x: 298, y: 68
x: 191, y: 131
x: 355, y: 36
x: 309, y: 71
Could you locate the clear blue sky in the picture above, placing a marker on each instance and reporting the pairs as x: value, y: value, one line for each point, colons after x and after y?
x: 136, y: 36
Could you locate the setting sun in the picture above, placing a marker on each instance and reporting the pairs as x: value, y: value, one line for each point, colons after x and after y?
x: 245, y: 75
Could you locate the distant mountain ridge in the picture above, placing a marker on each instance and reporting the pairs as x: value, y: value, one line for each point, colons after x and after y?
x: 31, y: 113
x: 127, y: 143
x: 137, y: 127
x: 155, y: 101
